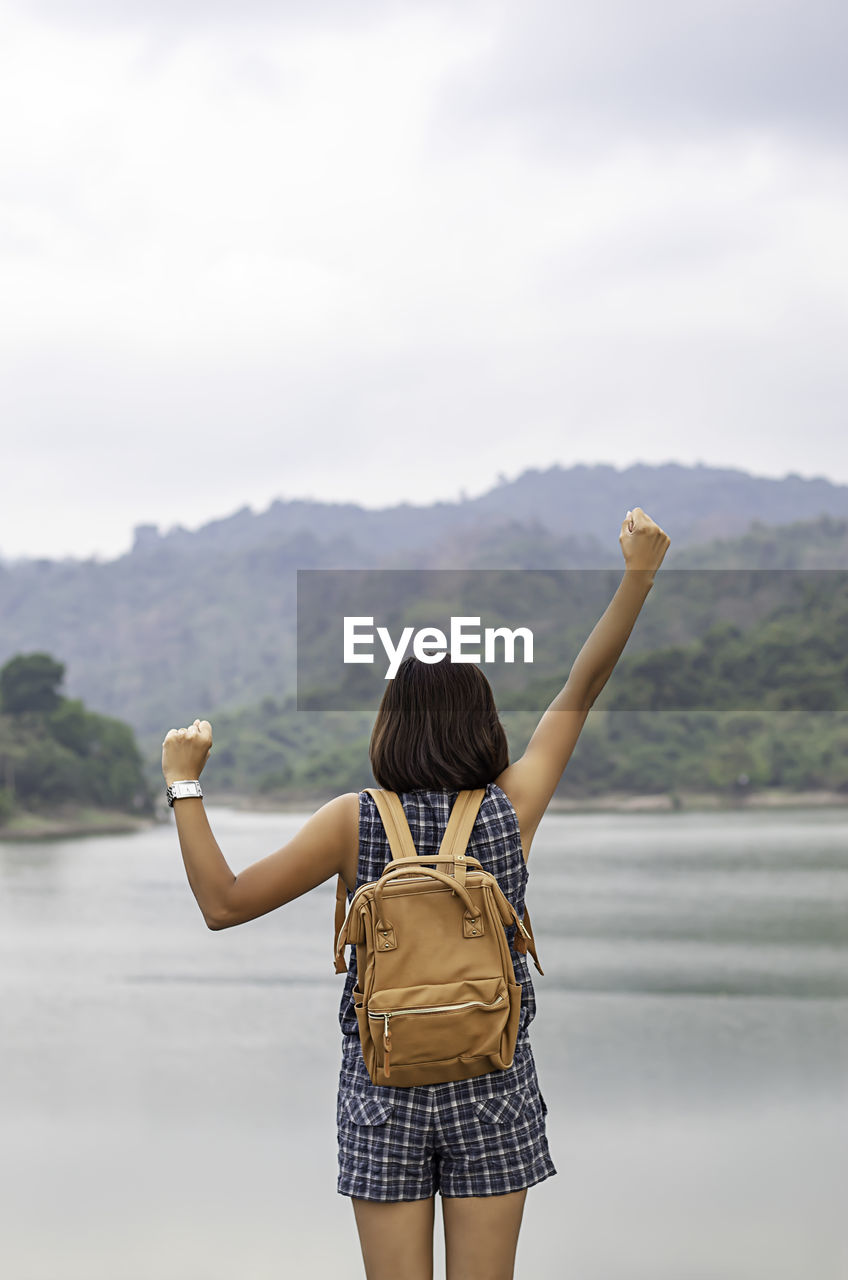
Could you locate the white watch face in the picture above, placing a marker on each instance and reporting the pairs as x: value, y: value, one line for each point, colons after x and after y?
x: 182, y: 790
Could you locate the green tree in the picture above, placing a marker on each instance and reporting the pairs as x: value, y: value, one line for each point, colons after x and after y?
x: 73, y: 726
x: 30, y: 682
x: 7, y: 805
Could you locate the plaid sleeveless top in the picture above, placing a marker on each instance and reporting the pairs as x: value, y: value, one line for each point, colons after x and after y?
x: 495, y: 842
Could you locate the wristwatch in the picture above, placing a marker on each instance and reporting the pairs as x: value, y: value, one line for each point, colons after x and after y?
x: 183, y: 790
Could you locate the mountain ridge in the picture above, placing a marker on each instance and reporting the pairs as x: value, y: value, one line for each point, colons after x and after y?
x: 701, y: 502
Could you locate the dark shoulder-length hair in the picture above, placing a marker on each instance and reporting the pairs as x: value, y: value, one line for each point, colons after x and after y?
x: 437, y: 728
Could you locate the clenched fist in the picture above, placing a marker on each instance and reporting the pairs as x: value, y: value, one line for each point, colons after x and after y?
x: 185, y: 751
x: 643, y: 542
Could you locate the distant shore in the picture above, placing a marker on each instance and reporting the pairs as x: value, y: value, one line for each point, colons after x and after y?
x: 614, y: 802
x: 61, y: 825
x: 90, y: 822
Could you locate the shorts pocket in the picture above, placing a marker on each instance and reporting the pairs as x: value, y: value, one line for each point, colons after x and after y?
x: 366, y: 1110
x: 504, y: 1109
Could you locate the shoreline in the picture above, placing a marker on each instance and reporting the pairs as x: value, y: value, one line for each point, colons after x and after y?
x: 93, y: 822
x: 63, y: 825
x: 613, y: 802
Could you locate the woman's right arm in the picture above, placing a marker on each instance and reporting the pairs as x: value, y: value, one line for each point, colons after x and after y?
x: 531, y: 781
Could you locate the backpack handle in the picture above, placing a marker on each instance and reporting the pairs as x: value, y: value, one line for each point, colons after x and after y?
x: 427, y: 871
x: 421, y: 859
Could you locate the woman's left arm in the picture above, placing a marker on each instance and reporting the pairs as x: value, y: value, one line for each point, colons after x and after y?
x: 315, y: 854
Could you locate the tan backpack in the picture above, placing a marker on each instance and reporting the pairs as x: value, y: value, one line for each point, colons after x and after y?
x: 436, y: 997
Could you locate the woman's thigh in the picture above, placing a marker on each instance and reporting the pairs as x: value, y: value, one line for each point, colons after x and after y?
x: 481, y: 1235
x: 396, y: 1238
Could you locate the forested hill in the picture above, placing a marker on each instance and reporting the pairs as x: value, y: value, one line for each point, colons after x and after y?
x: 191, y: 623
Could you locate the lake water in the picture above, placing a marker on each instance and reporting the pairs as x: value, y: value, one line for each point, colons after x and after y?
x: 168, y: 1093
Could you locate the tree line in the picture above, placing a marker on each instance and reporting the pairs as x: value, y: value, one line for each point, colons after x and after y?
x: 55, y: 753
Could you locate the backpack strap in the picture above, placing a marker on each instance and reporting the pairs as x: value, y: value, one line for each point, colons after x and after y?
x: 394, y: 821
x: 463, y: 815
x: 454, y: 842
x: 401, y: 844
x: 341, y: 910
x: 456, y: 835
x: 524, y: 940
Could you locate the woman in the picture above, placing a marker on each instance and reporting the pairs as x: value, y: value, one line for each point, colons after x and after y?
x: 480, y: 1142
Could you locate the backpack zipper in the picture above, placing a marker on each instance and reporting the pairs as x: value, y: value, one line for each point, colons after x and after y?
x: 438, y: 1008
x: 434, y: 1008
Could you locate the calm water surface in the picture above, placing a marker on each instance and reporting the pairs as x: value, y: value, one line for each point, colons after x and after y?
x: 168, y: 1093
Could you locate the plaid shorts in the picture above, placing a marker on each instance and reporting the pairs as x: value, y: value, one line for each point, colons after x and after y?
x: 479, y: 1137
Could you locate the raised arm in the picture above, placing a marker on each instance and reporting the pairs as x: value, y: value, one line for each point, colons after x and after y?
x: 320, y: 849
x: 531, y: 781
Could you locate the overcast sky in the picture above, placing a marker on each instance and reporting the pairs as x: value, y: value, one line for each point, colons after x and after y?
x: 385, y: 250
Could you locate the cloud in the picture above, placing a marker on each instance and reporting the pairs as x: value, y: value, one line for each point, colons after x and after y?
x: 331, y: 257
x: 195, y: 19
x: 200, y: 14
x: 562, y: 72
